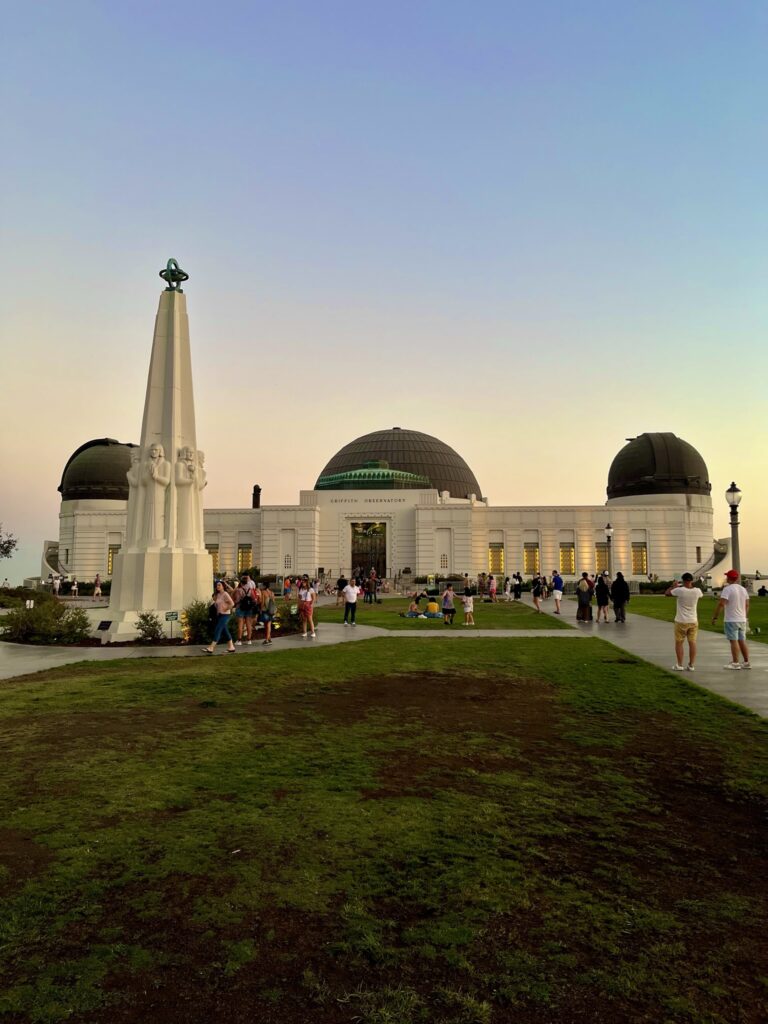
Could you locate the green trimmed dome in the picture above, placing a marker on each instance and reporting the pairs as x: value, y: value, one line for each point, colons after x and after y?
x: 408, y: 458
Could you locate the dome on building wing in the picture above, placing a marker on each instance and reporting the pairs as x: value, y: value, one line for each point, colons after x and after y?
x: 657, y: 464
x: 402, y: 458
x: 97, y: 470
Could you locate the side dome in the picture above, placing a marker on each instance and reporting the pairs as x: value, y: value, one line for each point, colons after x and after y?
x: 428, y: 462
x: 657, y: 464
x: 97, y: 470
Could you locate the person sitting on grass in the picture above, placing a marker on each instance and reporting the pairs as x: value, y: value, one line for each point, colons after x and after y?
x: 413, y: 611
x: 433, y: 609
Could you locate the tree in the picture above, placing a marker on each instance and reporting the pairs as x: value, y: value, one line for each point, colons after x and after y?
x: 7, y: 543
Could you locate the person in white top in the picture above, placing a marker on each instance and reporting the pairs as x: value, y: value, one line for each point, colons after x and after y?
x: 735, y: 600
x: 307, y: 595
x: 686, y: 619
x: 350, y: 593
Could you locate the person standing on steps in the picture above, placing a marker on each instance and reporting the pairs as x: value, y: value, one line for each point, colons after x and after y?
x: 686, y: 619
x: 620, y: 597
x: 734, y: 598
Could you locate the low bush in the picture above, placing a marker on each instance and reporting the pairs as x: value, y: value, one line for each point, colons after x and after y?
x: 149, y: 628
x: 47, y: 623
x: 196, y: 623
x: 287, y: 617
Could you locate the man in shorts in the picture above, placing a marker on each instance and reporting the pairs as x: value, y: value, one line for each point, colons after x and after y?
x: 735, y: 600
x: 686, y: 620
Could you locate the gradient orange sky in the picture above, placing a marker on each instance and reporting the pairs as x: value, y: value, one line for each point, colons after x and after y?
x: 531, y: 232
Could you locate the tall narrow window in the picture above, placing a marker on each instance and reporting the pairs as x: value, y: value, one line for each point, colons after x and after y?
x: 213, y: 551
x: 496, y: 557
x: 568, y: 558
x: 530, y: 558
x: 639, y: 558
x: 601, y: 556
x: 443, y: 561
x: 698, y: 555
x: 287, y: 562
x: 244, y: 557
x: 111, y: 552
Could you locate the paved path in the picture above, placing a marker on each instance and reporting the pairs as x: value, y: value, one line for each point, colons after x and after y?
x: 645, y: 637
x: 653, y: 641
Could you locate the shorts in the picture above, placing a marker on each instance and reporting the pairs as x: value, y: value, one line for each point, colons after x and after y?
x: 265, y: 617
x: 242, y: 614
x: 686, y: 631
x: 736, y: 631
x: 558, y: 595
x: 305, y: 609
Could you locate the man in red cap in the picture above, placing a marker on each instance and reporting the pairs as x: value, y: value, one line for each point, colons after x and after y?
x: 735, y: 600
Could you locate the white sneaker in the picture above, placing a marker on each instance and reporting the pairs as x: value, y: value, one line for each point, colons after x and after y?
x: 691, y: 668
x: 747, y: 665
x: 734, y: 666
x: 313, y: 636
x: 678, y: 668
x: 346, y: 623
x: 303, y: 636
x: 249, y: 643
x: 238, y: 643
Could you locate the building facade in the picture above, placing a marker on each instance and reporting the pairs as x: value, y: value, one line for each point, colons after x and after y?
x: 402, y: 501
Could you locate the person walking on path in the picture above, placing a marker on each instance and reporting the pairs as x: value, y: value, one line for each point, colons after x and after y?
x: 341, y: 583
x: 350, y: 594
x: 267, y: 613
x: 603, y: 596
x: 307, y: 595
x: 620, y: 597
x: 536, y: 592
x: 517, y: 586
x: 686, y: 619
x: 468, y: 602
x: 557, y: 590
x: 224, y: 605
x: 507, y: 589
x: 492, y: 587
x: 73, y: 590
x: 734, y: 598
x: 583, y: 599
x: 449, y: 609
x: 56, y: 585
x: 245, y: 609
x: 97, y: 587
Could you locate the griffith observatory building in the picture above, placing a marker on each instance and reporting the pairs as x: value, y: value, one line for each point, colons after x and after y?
x: 401, y: 501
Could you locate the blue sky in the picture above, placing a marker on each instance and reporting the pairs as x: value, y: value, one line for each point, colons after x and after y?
x: 533, y: 230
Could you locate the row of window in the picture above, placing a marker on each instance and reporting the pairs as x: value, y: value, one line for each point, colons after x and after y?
x: 244, y: 556
x: 567, y: 565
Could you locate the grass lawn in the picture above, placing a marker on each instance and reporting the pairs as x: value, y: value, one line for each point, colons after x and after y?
x: 522, y: 831
x: 487, y: 616
x: 660, y: 607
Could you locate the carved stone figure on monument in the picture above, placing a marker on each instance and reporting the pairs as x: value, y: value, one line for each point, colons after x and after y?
x: 155, y: 479
x: 188, y: 488
x: 202, y: 476
x: 133, y: 525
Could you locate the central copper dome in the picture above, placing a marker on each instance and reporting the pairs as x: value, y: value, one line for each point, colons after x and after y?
x: 406, y: 451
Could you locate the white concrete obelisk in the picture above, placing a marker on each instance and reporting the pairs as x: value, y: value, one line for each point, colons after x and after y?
x: 164, y: 564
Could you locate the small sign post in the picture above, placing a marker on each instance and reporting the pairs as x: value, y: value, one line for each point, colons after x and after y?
x: 171, y: 617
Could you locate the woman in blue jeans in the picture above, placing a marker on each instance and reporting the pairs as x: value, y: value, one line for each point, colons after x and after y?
x: 224, y: 605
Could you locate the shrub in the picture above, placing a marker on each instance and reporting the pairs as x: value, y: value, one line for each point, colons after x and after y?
x: 46, y: 623
x: 287, y: 616
x: 196, y: 624
x: 149, y: 628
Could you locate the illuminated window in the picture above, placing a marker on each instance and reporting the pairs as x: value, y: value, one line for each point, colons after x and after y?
x: 495, y: 557
x: 601, y: 556
x: 443, y: 561
x: 111, y: 552
x: 287, y: 562
x: 639, y: 558
x: 244, y: 557
x: 568, y: 558
x: 530, y: 558
x: 213, y: 551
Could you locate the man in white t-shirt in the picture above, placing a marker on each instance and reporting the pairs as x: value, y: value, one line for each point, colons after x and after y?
x: 686, y: 619
x: 735, y: 600
x: 350, y: 593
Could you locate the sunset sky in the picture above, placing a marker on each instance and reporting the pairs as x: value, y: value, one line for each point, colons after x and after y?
x: 532, y: 230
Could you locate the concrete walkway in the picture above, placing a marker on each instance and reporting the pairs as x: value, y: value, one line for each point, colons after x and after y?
x: 653, y: 640
x: 647, y: 638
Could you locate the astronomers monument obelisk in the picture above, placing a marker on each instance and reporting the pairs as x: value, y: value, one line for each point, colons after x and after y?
x: 163, y: 564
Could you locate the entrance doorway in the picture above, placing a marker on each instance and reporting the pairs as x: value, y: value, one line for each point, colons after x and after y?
x: 369, y: 547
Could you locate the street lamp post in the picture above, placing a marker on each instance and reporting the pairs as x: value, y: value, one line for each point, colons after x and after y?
x: 733, y: 497
x: 608, y: 538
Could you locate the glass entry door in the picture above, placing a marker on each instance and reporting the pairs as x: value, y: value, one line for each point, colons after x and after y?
x: 369, y: 547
